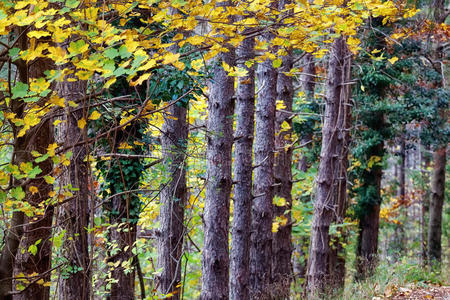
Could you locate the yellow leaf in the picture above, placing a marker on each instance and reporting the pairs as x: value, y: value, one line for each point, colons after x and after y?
x: 49, y: 179
x: 110, y: 82
x: 197, y: 64
x: 141, y: 79
x: 84, y: 75
x: 56, y: 100
x: 51, y: 149
x: 393, y: 60
x: 285, y: 126
x: 275, y: 226
x: 177, y: 37
x: 280, y: 105
x: 82, y: 123
x: 33, y: 189
x: 95, y: 115
x: 170, y: 58
x: 37, y: 34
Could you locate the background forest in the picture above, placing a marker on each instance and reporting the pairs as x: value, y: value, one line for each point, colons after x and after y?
x: 238, y: 149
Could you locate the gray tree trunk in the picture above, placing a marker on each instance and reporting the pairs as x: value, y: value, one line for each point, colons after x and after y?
x: 215, y: 259
x: 36, y: 227
x: 173, y: 199
x: 242, y: 202
x: 75, y: 214
x: 332, y: 168
x: 440, y: 160
x: 262, y: 209
x: 437, y: 202
x: 282, y: 244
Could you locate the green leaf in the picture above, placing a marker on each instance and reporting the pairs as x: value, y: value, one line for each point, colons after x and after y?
x: 277, y: 63
x: 42, y: 158
x: 72, y: 3
x: 20, y: 90
x: 111, y: 53
x: 18, y: 193
x: 32, y: 249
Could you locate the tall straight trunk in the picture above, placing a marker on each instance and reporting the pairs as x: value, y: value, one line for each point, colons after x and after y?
x: 332, y: 167
x: 282, y: 244
x: 242, y: 194
x: 437, y: 202
x: 37, y: 229
x: 440, y: 159
x: 337, y: 254
x: 400, y: 242
x: 173, y: 199
x: 75, y: 214
x: 425, y: 205
x: 15, y: 231
x: 262, y: 209
x: 367, y: 247
x: 215, y: 259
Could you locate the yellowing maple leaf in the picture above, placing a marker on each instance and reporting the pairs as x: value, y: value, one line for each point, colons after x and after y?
x: 81, y: 123
x: 393, y: 60
x: 95, y: 115
x: 37, y: 34
x: 170, y: 58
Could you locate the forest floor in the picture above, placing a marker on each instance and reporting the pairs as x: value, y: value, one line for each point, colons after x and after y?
x: 431, y: 292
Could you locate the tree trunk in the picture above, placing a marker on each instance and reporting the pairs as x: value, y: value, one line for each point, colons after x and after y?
x: 440, y: 160
x: 75, y: 214
x: 15, y: 230
x: 215, y: 259
x: 242, y: 203
x: 332, y: 167
x: 173, y: 199
x: 262, y: 209
x: 367, y: 247
x: 425, y: 205
x: 400, y: 241
x: 437, y: 202
x: 337, y: 254
x: 37, y: 229
x: 282, y: 244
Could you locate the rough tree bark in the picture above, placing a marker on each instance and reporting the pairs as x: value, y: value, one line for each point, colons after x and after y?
x: 440, y: 159
x: 215, y: 259
x: 437, y: 202
x: 262, y: 209
x: 75, y: 214
x: 36, y: 227
x: 173, y: 198
x: 332, y: 167
x: 242, y: 203
x: 282, y: 244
